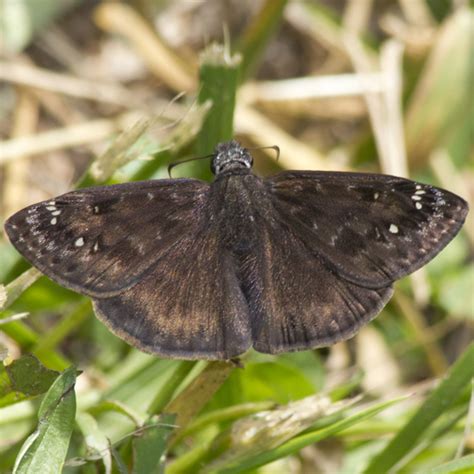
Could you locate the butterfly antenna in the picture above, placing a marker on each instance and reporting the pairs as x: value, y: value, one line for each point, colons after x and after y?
x: 275, y: 148
x: 194, y: 158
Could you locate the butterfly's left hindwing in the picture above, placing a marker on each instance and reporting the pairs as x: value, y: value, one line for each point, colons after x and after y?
x: 370, y: 229
x: 188, y: 306
x: 99, y: 241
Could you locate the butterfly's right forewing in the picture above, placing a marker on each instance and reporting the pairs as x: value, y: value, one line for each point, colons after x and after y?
x: 99, y: 241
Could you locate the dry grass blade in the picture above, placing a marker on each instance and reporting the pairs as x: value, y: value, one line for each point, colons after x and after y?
x: 75, y: 135
x: 294, y: 154
x: 38, y: 78
x: 170, y: 68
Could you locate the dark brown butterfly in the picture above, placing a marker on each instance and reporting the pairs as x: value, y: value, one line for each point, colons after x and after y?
x: 191, y: 270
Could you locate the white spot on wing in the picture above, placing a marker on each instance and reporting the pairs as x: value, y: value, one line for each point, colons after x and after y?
x: 420, y: 191
x: 54, y: 221
x: 376, y: 196
x: 418, y: 206
x: 56, y: 213
x: 416, y: 198
x: 79, y: 242
x: 51, y: 208
x: 393, y: 229
x: 96, y: 246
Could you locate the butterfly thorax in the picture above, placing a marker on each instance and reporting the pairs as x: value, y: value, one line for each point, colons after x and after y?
x: 241, y: 205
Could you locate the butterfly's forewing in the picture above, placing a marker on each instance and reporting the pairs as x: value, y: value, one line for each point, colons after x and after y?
x: 370, y: 229
x: 188, y: 306
x: 100, y: 241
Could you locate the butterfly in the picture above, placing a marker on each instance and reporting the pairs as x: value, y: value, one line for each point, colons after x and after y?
x: 186, y: 269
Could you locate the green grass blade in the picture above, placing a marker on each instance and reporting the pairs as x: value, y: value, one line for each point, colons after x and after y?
x: 219, y: 75
x: 464, y: 465
x: 164, y: 396
x: 435, y: 405
x: 259, y: 32
x: 299, y: 442
x: 96, y: 441
x: 149, y: 444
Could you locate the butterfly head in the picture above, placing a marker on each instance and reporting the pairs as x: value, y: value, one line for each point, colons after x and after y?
x: 230, y: 156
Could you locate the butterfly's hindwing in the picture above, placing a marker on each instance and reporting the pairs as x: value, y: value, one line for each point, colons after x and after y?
x: 307, y: 306
x: 371, y: 229
x: 99, y: 241
x: 188, y: 306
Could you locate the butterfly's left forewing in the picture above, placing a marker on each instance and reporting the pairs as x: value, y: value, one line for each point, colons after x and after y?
x: 370, y: 229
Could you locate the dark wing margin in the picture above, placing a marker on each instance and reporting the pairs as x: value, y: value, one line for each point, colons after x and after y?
x: 189, y: 306
x: 371, y: 229
x: 99, y: 241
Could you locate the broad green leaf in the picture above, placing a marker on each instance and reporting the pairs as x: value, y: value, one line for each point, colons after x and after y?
x: 24, y: 378
x: 45, y: 450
